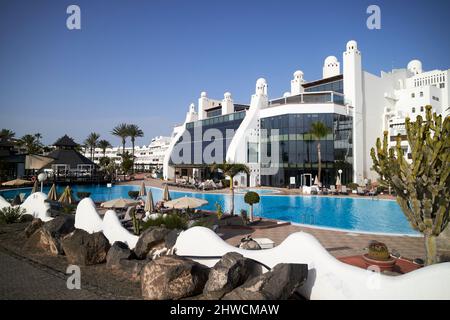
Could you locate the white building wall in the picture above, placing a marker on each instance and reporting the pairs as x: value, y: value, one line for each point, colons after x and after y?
x: 353, y: 91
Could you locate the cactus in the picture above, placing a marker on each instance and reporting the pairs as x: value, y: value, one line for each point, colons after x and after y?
x: 423, y: 186
x: 378, y: 251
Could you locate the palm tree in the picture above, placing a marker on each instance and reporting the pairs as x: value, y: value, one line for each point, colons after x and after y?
x: 91, y: 142
x: 121, y: 131
x: 319, y: 130
x: 231, y: 170
x: 134, y: 132
x: 30, y: 143
x: 104, y: 144
x: 6, y: 134
x: 38, y: 137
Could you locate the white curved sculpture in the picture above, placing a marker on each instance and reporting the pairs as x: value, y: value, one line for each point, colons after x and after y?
x: 36, y: 206
x: 87, y: 217
x: 4, y: 203
x: 114, y: 231
x: 328, y: 278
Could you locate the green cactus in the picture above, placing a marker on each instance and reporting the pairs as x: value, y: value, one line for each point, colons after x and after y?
x: 423, y: 186
x: 378, y: 251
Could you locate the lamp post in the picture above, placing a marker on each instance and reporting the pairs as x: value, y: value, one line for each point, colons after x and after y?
x: 42, y: 177
x: 340, y: 177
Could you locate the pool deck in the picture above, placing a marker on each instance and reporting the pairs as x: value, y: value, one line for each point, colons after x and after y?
x: 338, y: 243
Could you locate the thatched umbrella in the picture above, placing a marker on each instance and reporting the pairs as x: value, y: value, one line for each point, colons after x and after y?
x: 52, y: 193
x: 142, y: 190
x: 316, y: 181
x: 149, y: 206
x: 35, y: 187
x: 66, y: 197
x: 166, y: 194
x: 185, y: 203
x: 119, y: 203
x: 16, y: 183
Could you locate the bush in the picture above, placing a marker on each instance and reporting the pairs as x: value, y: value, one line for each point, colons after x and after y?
x: 133, y: 194
x: 68, y: 208
x: 171, y: 221
x: 11, y: 215
x: 81, y: 195
x: 203, y: 223
x: 251, y: 198
x: 352, y: 186
x: 219, y: 211
x: 244, y: 216
x: 225, y: 183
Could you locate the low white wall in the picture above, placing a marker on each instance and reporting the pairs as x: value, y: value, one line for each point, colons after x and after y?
x: 328, y: 278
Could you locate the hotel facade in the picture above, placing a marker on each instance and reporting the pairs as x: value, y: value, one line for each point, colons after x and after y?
x: 273, y: 136
x: 146, y: 157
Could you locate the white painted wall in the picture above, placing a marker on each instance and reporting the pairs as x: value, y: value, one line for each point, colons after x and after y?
x: 328, y: 278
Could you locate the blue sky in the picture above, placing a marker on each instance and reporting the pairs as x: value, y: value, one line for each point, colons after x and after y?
x: 144, y: 62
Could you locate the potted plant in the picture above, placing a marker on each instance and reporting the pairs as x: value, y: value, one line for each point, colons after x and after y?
x: 379, y: 256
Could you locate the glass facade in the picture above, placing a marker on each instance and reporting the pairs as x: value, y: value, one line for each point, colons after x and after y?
x: 298, y: 148
x: 336, y: 86
x: 196, y: 142
x: 214, y: 112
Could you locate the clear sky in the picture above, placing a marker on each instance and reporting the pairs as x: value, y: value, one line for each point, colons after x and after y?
x: 144, y: 62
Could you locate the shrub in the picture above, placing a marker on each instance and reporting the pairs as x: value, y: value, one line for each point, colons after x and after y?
x: 244, y: 216
x: 68, y: 208
x: 251, y: 198
x: 352, y: 186
x: 133, y: 194
x: 171, y: 221
x: 81, y: 195
x: 225, y: 183
x: 219, y: 210
x: 11, y: 214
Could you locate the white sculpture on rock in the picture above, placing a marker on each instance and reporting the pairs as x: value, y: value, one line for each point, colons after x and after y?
x: 114, y: 231
x: 4, y: 203
x: 328, y: 278
x: 36, y: 206
x: 87, y: 217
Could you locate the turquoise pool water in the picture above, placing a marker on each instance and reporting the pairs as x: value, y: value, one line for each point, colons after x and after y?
x: 352, y: 214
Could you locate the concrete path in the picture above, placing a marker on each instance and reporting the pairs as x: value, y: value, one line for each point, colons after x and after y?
x: 24, y: 280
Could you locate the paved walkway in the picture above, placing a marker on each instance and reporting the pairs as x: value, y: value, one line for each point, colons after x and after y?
x: 23, y: 280
x: 339, y: 244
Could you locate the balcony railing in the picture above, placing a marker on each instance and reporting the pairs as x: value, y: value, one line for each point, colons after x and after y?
x: 310, y: 97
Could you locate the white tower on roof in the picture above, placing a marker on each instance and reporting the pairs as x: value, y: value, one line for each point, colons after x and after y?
x: 261, y: 87
x: 202, y: 105
x: 331, y: 67
x: 296, y: 83
x: 415, y: 67
x: 353, y: 92
x: 227, y: 104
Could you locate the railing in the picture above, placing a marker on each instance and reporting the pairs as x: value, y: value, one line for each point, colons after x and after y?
x: 310, y: 97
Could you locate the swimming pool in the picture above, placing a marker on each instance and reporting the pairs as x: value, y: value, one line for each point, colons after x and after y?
x: 351, y: 214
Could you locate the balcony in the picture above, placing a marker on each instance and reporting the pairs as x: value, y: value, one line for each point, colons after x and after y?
x: 310, y: 97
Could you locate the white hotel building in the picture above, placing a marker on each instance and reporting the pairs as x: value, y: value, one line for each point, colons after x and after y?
x: 355, y: 105
x: 146, y: 157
